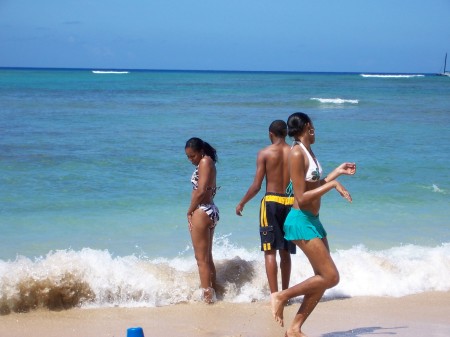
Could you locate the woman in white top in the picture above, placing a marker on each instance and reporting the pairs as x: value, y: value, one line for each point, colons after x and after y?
x: 303, y: 226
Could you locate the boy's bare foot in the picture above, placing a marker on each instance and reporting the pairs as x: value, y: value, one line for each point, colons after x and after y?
x: 277, y: 307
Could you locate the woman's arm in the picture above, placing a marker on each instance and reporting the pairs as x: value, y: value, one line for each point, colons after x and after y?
x: 298, y: 164
x: 306, y: 197
x: 317, y: 193
x: 344, y: 168
x: 205, y: 168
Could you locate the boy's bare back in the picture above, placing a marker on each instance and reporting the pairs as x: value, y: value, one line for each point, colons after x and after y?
x: 275, y: 158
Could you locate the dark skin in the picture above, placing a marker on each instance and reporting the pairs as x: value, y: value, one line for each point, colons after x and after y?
x: 307, y: 197
x: 272, y: 164
x: 207, y: 179
x: 198, y: 221
x: 308, y: 194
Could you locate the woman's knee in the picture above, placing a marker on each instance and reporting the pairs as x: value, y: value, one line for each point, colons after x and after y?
x: 201, y: 257
x: 332, y: 279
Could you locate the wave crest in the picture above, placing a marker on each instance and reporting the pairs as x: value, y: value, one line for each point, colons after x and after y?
x: 30, y: 293
x: 335, y: 100
x: 392, y: 75
x: 94, y: 278
x: 109, y: 72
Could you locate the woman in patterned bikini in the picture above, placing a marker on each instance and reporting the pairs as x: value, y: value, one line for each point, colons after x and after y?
x: 203, y: 214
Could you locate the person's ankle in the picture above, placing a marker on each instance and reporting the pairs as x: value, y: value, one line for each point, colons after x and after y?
x: 209, y: 295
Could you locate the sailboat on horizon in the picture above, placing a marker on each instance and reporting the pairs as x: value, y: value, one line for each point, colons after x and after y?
x: 445, y: 72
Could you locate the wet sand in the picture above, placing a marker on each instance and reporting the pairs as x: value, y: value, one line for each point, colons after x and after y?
x: 426, y: 314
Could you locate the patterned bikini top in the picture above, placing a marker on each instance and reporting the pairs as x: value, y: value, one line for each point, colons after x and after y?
x: 194, y: 181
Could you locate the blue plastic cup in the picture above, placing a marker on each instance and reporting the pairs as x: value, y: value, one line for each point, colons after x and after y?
x: 135, y: 332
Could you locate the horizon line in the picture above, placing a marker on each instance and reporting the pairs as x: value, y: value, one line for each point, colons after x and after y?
x: 215, y: 70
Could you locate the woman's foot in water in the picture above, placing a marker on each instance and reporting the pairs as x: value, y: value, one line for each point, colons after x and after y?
x: 209, y: 295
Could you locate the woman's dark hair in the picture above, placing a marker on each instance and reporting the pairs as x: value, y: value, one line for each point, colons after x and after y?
x: 197, y: 145
x: 296, y: 122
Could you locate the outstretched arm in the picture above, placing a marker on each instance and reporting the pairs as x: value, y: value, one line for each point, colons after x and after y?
x: 304, y: 197
x: 255, y: 187
x: 344, y: 168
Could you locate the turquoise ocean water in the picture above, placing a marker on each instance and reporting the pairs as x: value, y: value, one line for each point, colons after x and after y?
x: 94, y: 182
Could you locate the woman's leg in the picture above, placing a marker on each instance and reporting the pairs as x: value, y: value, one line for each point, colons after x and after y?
x: 202, y: 242
x: 212, y: 266
x: 326, y: 276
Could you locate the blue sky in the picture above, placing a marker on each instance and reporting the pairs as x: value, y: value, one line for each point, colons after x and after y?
x: 318, y: 35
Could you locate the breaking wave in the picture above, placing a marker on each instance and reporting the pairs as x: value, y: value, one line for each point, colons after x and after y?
x: 95, y: 278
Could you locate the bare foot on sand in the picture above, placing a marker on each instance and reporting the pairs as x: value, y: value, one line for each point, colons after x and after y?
x: 290, y: 333
x: 277, y: 308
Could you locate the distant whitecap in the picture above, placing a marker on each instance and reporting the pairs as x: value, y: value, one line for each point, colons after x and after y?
x: 392, y: 75
x: 109, y: 72
x: 335, y: 100
x: 437, y: 189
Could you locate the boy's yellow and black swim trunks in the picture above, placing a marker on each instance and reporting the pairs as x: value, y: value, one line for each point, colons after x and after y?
x: 274, y: 210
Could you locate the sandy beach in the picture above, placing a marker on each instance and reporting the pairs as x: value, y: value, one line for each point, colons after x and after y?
x: 416, y: 315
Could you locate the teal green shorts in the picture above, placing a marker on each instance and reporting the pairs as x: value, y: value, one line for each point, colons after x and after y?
x: 303, y: 225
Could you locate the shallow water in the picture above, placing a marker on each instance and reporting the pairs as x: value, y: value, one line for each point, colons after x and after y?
x: 94, y: 165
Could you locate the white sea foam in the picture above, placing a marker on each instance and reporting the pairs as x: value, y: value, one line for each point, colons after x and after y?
x: 437, y: 189
x: 392, y: 75
x: 95, y: 278
x: 109, y: 72
x: 396, y: 272
x: 335, y: 100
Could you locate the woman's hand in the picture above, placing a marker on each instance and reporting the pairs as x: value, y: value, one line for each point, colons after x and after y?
x: 346, y: 168
x: 189, y: 218
x: 343, y: 191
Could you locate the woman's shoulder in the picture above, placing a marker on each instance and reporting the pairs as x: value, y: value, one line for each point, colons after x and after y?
x: 298, y: 156
x: 206, y: 161
x: 297, y: 151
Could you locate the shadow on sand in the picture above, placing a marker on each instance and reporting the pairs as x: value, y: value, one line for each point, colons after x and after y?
x: 371, y: 330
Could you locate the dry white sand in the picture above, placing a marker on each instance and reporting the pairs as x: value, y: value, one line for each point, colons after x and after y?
x: 425, y: 315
